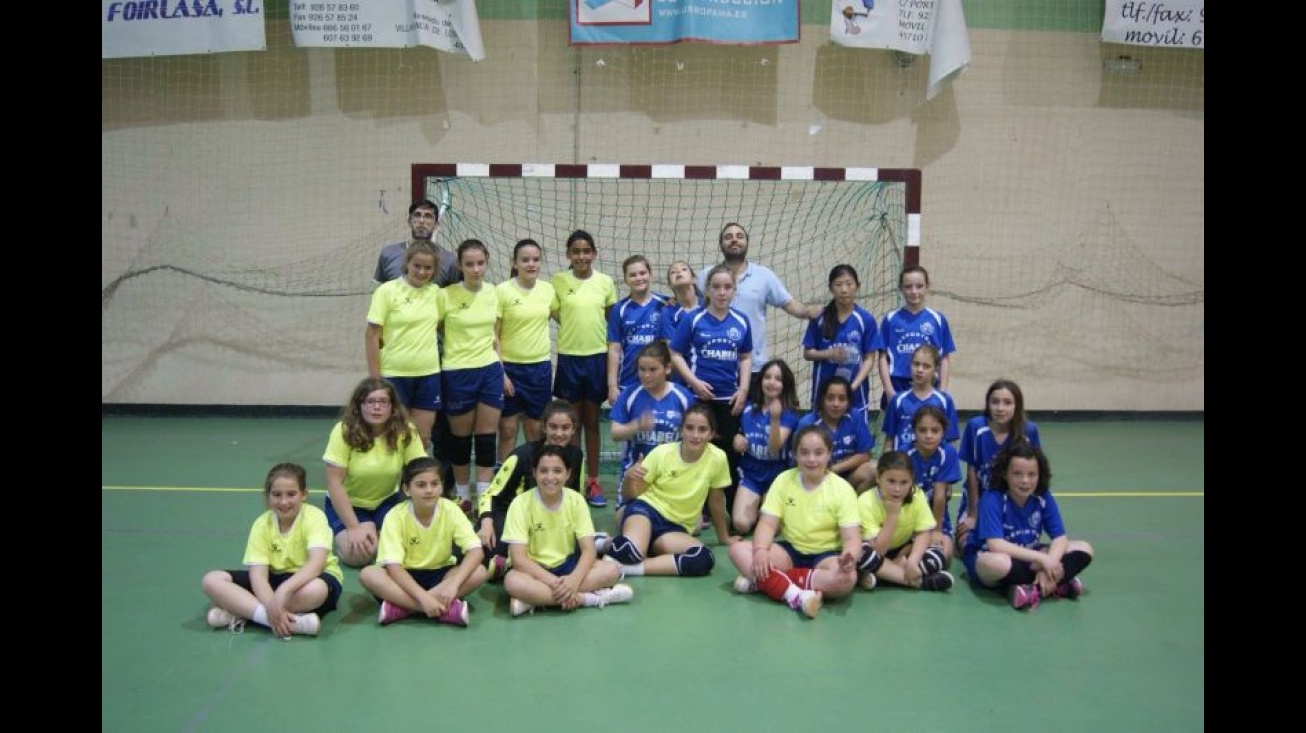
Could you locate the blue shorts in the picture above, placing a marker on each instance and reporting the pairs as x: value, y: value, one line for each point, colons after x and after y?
x: 660, y: 525
x: 531, y: 382
x: 465, y: 388
x: 241, y: 578
x: 375, y: 516
x: 758, y: 483
x: 418, y: 393
x: 582, y: 378
x: 566, y: 567
x: 802, y: 559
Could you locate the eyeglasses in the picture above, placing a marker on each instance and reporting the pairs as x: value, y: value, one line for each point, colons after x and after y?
x: 377, y: 402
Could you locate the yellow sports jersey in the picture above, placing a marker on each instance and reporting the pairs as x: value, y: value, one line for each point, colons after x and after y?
x: 678, y: 489
x: 371, y: 476
x: 469, y: 326
x: 408, y: 318
x: 810, y: 520
x: 582, y: 312
x: 916, y: 516
x: 524, y: 322
x: 404, y: 541
x: 550, y: 535
x: 287, y: 553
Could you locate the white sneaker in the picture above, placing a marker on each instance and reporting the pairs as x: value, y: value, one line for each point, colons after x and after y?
x: 868, y: 581
x: 519, y: 607
x: 619, y: 593
x: 307, y: 624
x: 807, y: 602
x: 745, y: 585
x: 220, y: 618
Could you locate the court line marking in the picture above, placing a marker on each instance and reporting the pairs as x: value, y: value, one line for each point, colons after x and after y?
x: 1058, y: 494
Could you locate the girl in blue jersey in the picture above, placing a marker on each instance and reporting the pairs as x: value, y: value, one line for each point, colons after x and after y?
x: 583, y: 297
x: 291, y: 578
x: 844, y: 341
x: 685, y: 298
x: 851, y: 439
x: 550, y: 537
x: 808, y: 539
x: 522, y: 330
x: 648, y: 414
x: 896, y: 523
x: 1006, y: 551
x: 1002, y: 424
x: 473, y: 371
x: 655, y: 530
x: 905, y: 328
x: 633, y: 323
x: 718, y: 341
x: 770, y: 417
x: 899, y: 411
x: 428, y: 558
x: 936, y: 468
x: 404, y: 315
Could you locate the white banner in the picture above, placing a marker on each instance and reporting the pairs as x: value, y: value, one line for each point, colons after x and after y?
x: 934, y: 27
x: 175, y: 27
x: 447, y: 25
x: 1173, y: 24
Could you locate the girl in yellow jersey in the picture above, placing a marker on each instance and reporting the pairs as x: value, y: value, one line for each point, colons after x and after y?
x: 668, y: 488
x: 525, y: 304
x: 365, y: 456
x: 806, y: 544
x: 291, y: 578
x: 550, y: 537
x: 582, y: 298
x: 473, y: 374
x: 417, y: 570
x: 400, y: 338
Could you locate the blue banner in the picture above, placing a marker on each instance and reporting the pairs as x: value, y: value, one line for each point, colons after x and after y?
x: 672, y: 21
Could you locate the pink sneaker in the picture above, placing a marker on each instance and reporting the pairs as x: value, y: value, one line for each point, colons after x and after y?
x: 1071, y: 589
x: 391, y: 613
x: 456, y: 614
x: 1023, y: 597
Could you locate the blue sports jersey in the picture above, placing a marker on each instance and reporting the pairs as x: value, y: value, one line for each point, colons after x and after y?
x: 943, y: 466
x: 898, y: 415
x: 859, y: 335
x: 634, y: 326
x: 758, y: 464
x: 712, y: 346
x: 672, y: 315
x: 1001, y: 518
x: 901, y: 331
x: 852, y: 435
x: 667, y: 412
x: 978, y: 447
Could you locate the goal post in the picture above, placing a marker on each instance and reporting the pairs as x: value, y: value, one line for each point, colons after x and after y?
x: 802, y: 221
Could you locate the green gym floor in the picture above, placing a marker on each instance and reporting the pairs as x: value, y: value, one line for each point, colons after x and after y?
x: 178, y: 496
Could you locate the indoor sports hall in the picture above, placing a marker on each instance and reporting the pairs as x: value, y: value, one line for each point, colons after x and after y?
x: 1053, y: 188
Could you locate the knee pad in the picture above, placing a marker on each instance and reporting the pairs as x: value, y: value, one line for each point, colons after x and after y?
x: 460, y: 450
x: 697, y: 560
x: 933, y: 561
x: 621, y: 549
x: 485, y: 450
x: 870, y: 560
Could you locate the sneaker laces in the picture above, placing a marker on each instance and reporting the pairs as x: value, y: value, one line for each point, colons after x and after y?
x: 237, y: 626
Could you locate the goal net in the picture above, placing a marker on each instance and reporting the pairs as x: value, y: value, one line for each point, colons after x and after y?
x: 801, y: 223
